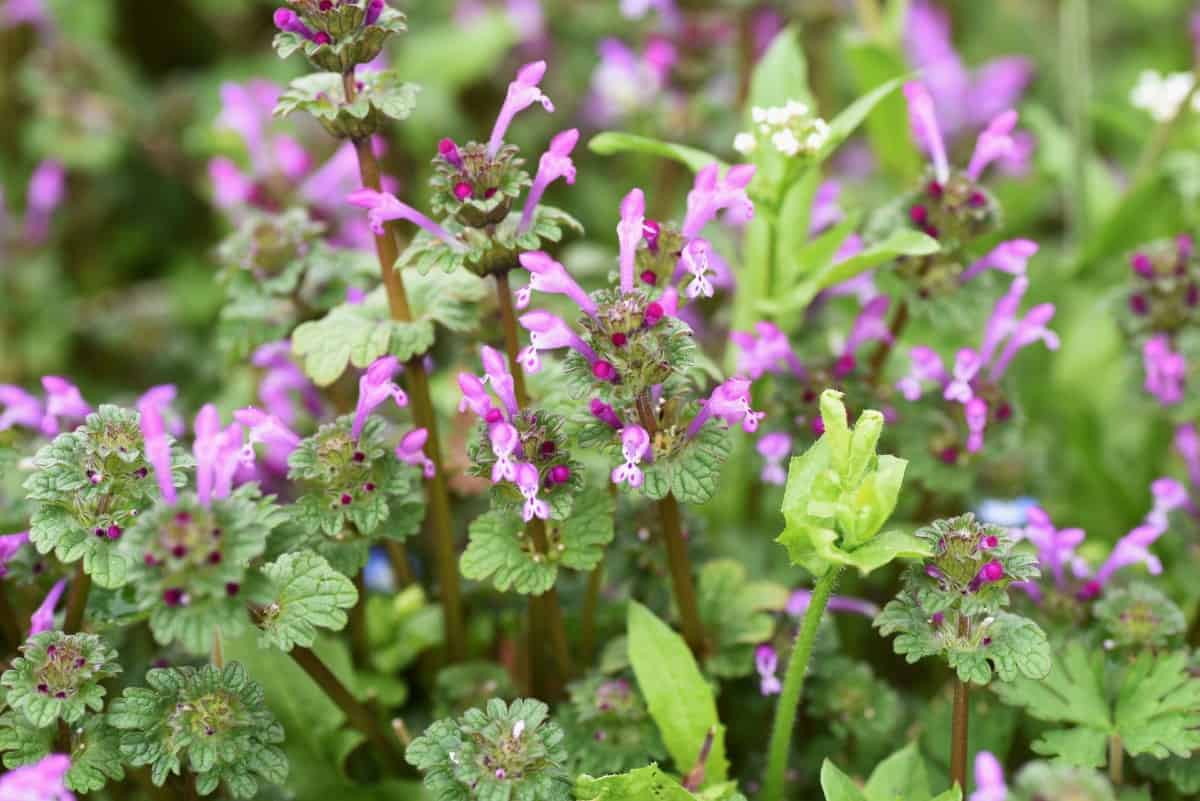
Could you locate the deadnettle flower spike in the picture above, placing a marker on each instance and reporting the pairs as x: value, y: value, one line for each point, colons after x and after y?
x: 996, y: 142
x: 375, y: 386
x: 635, y: 442
x: 549, y: 276
x: 549, y: 332
x: 630, y: 231
x: 43, y: 617
x: 926, y: 367
x: 411, y: 450
x: 730, y: 401
x: 922, y: 118
x: 384, y: 206
x: 529, y: 483
x: 157, y: 445
x: 555, y: 163
x: 522, y: 93
x: 712, y: 193
x: 505, y: 440
x: 1166, y: 370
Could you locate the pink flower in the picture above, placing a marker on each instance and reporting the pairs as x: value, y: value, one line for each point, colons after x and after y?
x: 630, y: 231
x: 712, y: 193
x: 799, y: 600
x: 41, y: 781
x: 411, y: 450
x: 996, y: 142
x: 870, y: 325
x: 695, y: 260
x: 549, y: 276
x: 9, y: 545
x: 730, y: 401
x: 19, y: 408
x: 774, y: 448
x: 282, y: 379
x: 1166, y: 370
x: 1056, y: 547
x: 63, y: 400
x: 555, y: 163
x: 505, y: 441
x: 605, y: 414
x: 218, y: 452
x: 522, y: 93
x: 766, y: 662
x: 635, y: 442
x: 1010, y: 257
x: 271, y: 432
x: 976, y: 412
x: 1187, y: 444
x: 384, y: 206
x: 922, y: 118
x: 926, y: 368
x: 766, y: 351
x: 375, y: 386
x: 495, y: 368
x: 549, y: 332
x: 157, y: 443
x: 529, y: 482
x: 43, y: 616
x: 47, y: 188
x: 474, y: 396
x: 1168, y: 495
x: 989, y: 779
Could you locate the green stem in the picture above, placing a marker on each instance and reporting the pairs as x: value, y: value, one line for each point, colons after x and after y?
x: 360, y: 649
x: 441, y: 526
x: 793, y: 686
x: 591, y: 602
x: 398, y: 558
x: 884, y: 350
x: 77, y: 600
x: 1076, y: 88
x: 9, y: 626
x: 357, y: 714
x: 1116, y: 760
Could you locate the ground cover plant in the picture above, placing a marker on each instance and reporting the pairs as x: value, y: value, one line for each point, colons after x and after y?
x: 537, y: 400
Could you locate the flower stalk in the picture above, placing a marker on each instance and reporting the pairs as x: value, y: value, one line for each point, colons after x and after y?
x: 793, y: 685
x: 960, y: 720
x: 441, y: 522
x: 77, y: 599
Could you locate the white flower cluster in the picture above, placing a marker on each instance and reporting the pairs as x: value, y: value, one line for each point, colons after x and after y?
x: 791, y: 129
x: 1162, y: 95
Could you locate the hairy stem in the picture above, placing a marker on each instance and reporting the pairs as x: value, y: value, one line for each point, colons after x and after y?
x: 9, y: 627
x: 512, y: 344
x: 793, y: 686
x: 960, y: 721
x: 441, y: 526
x: 591, y: 601
x: 381, y: 737
x: 360, y: 649
x: 77, y: 600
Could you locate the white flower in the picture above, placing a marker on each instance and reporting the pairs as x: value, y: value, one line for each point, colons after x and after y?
x: 777, y: 115
x: 745, y: 143
x: 758, y: 114
x: 796, y: 109
x: 1161, y: 95
x: 786, y: 142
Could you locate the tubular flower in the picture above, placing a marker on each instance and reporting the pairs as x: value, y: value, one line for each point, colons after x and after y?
x: 730, y: 402
x: 555, y: 163
x: 384, y: 206
x: 522, y: 93
x: 635, y: 442
x: 528, y: 483
x: 411, y: 450
x: 549, y: 276
x: 375, y: 386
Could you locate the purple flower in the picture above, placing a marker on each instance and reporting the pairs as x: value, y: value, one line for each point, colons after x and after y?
x: 825, y: 211
x: 766, y: 662
x: 799, y: 600
x: 630, y: 231
x: 384, y: 206
x: 555, y: 163
x: 605, y: 414
x: 996, y: 142
x: 1187, y: 444
x: 31, y: 12
x: 712, y: 193
x: 730, y: 401
x: 976, y: 413
x: 1169, y: 495
x: 475, y: 397
x: 374, y: 10
x: 19, y: 408
x: 695, y: 260
x: 505, y: 441
x: 271, y: 432
x: 288, y: 21
x: 43, y: 617
x: 549, y: 332
x: 63, y: 400
x: 375, y: 386
x: 625, y: 82
x: 41, y: 781
x: 964, y: 102
x: 529, y: 482
x: 1055, y: 547
x: 989, y: 779
x: 635, y: 442
x: 411, y: 450
x: 549, y: 276
x: 1010, y: 257
x: 496, y: 373
x: 926, y: 368
x: 774, y: 448
x: 522, y: 93
x: 157, y: 443
x: 1132, y: 549
x: 218, y: 452
x: 767, y: 352
x: 922, y: 118
x: 870, y: 325
x: 9, y: 545
x: 47, y: 187
x: 231, y: 187
x: 282, y: 378
x: 1166, y: 370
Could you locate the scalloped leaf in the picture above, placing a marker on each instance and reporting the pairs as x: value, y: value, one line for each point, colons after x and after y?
x: 308, y: 594
x: 498, y: 550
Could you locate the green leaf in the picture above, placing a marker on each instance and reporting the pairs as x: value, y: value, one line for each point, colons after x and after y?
x: 641, y: 784
x: 96, y: 758
x: 21, y: 742
x: 847, y: 122
x: 609, y: 143
x: 873, y: 64
x: 679, y: 699
x: 588, y: 530
x: 45, y: 670
x: 498, y: 550
x: 450, y: 56
x: 837, y: 786
x: 308, y: 593
x: 736, y: 615
x: 900, y: 777
x: 697, y: 469
x: 781, y: 74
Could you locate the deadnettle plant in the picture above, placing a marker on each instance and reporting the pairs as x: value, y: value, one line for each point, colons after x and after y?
x: 336, y: 35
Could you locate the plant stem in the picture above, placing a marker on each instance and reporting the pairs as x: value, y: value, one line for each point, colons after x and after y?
x: 870, y: 18
x: 77, y: 599
x: 960, y: 721
x: 398, y: 558
x: 357, y: 713
x: 512, y: 345
x: 360, y: 649
x: 1116, y: 760
x: 793, y: 686
x: 677, y: 555
x: 879, y: 358
x: 9, y: 626
x: 218, y: 651
x: 437, y: 492
x: 591, y: 601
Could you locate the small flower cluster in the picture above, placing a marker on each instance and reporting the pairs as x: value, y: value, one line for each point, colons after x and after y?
x: 792, y: 129
x: 64, y: 404
x: 1162, y: 95
x: 1163, y: 301
x: 59, y: 676
x: 336, y: 34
